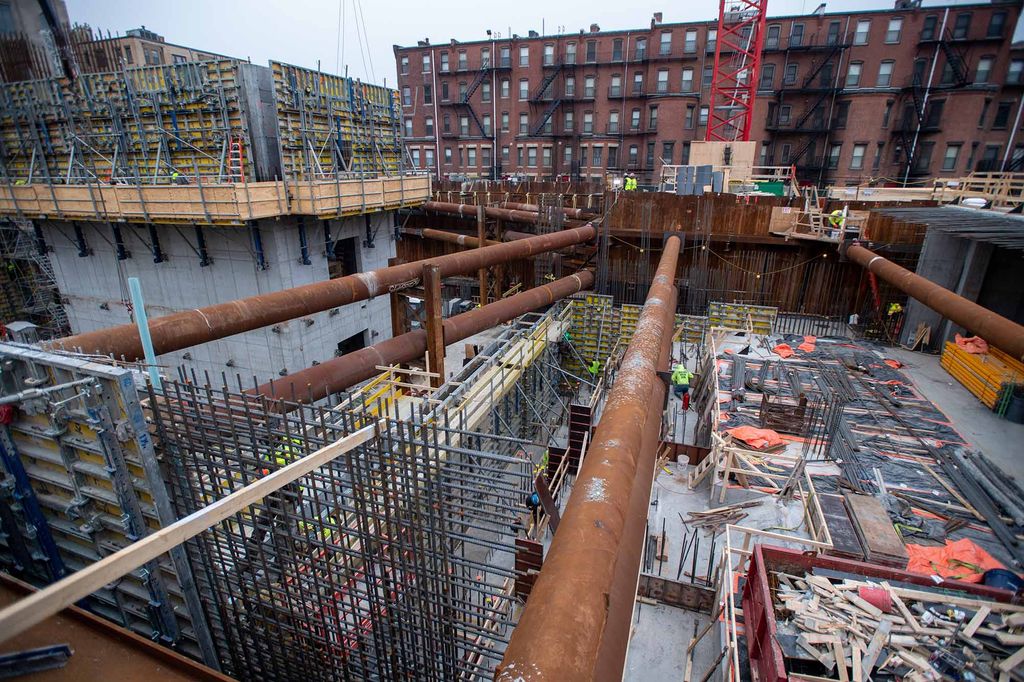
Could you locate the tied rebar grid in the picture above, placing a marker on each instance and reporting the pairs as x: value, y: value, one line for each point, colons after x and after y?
x: 394, y: 561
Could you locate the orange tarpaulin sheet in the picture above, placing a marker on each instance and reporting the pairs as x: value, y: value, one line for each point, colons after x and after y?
x: 784, y: 350
x: 808, y: 345
x: 973, y: 344
x: 756, y: 438
x: 959, y: 560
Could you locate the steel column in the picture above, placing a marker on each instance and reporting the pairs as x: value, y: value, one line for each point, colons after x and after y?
x: 999, y: 331
x: 191, y: 327
x: 338, y: 374
x: 399, y: 316
x: 568, y: 618
x: 481, y: 238
x: 434, y: 323
x: 470, y: 211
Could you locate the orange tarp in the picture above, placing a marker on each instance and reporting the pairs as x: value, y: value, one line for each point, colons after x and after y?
x: 784, y: 350
x: 960, y: 560
x: 973, y: 344
x: 756, y: 438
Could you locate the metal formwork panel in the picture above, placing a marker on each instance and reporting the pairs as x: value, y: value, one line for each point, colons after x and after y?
x: 80, y: 482
x: 330, y: 125
x: 136, y: 126
x: 741, y: 316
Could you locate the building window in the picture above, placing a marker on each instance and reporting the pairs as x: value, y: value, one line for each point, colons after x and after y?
x: 689, y: 41
x: 487, y: 124
x: 444, y: 91
x: 613, y: 156
x: 463, y: 91
x: 860, y: 35
x: 570, y: 86
x: 950, y: 158
x: 548, y: 126
x: 842, y: 115
x: 583, y: 156
x: 408, y: 127
x: 591, y: 51
x: 506, y: 154
x: 853, y: 74
x: 504, y: 121
x: 447, y: 156
x: 615, y: 89
x: 588, y: 122
x: 713, y: 39
x: 933, y: 117
x: 833, y: 156
x: 524, y: 89
x: 444, y: 62
x: 415, y: 158
x: 886, y: 114
x: 665, y: 47
x: 687, y: 80
x: 789, y: 77
x: 996, y: 25
x: 471, y: 157
x: 894, y: 30
x: 785, y: 114
x: 428, y: 94
x: 785, y: 153
x: 857, y: 159
x: 428, y: 161
x: 549, y: 55
x: 984, y: 69
x: 662, y: 80
x: 596, y: 160
x: 638, y: 82
x: 524, y: 55
x: 767, y: 77
x: 568, y: 122
x: 668, y: 152
x: 546, y: 157
x: 464, y: 125
x: 428, y: 123
x: 702, y: 119
x: 961, y: 26
x: 1002, y: 116
x: 567, y: 155
x: 505, y: 86
x: 652, y: 118
x: 885, y: 73
x: 617, y: 50
x: 570, y: 53
x: 485, y: 61
x: 771, y: 38
x: 613, y: 123
x: 524, y: 124
x: 796, y: 35
x: 707, y: 75
x: 947, y: 73
x: 531, y: 157
x: 634, y: 155
x: 485, y: 92
x: 931, y: 23
x: 1013, y: 74
x: 463, y: 61
x: 426, y: 63
x: 634, y: 119
x: 649, y: 160
x: 506, y: 57
x: 406, y: 96
x: 989, y: 158
x: 832, y: 37
x: 519, y: 156
x: 403, y: 69
x: 923, y: 158
x: 688, y: 121
x: 446, y: 123
x: 877, y: 162
x: 984, y: 113
x: 485, y: 157
x: 128, y: 58
x: 589, y: 86
x: 640, y: 51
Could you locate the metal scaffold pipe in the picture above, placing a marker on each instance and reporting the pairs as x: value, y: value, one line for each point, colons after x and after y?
x: 571, y: 620
x: 192, y: 327
x: 578, y: 213
x: 340, y: 373
x: 999, y: 331
x: 469, y: 211
x: 448, y: 237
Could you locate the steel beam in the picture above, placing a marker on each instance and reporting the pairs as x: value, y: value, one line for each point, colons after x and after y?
x: 449, y: 237
x: 192, y: 327
x: 335, y: 375
x: 470, y: 210
x: 1004, y: 334
x: 574, y: 615
x: 577, y: 213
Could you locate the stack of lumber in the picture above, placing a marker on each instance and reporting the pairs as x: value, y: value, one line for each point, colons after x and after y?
x: 831, y: 629
x: 987, y: 375
x: 714, y: 519
x: 878, y: 538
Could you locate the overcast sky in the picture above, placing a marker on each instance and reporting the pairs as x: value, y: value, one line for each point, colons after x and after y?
x: 302, y: 32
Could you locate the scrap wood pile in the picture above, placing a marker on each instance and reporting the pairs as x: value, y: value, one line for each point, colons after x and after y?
x: 713, y: 519
x: 853, y: 630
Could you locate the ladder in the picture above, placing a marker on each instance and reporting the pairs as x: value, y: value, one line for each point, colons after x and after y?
x: 236, y: 172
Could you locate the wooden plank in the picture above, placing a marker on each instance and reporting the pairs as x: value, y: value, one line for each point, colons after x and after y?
x: 38, y: 607
x: 1013, y: 662
x: 878, y: 641
x: 976, y: 622
x: 844, y: 538
x: 874, y: 528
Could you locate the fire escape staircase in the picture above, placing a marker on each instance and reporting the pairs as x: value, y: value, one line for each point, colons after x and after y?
x: 548, y: 113
x: 464, y: 101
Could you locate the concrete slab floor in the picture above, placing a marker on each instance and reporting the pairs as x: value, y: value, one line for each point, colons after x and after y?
x: 999, y: 439
x: 661, y: 634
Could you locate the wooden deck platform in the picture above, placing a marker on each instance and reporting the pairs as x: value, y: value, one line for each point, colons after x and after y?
x: 214, y: 204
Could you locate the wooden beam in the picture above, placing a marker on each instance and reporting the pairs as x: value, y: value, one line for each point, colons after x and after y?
x: 47, y: 602
x: 434, y: 322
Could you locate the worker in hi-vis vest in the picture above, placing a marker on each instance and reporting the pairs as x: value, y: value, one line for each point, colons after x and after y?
x: 681, y: 383
x: 594, y: 368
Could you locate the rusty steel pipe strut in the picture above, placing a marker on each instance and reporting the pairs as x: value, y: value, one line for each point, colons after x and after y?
x: 192, y: 327
x: 448, y: 237
x: 469, y: 211
x: 1004, y: 334
x: 336, y: 375
x: 577, y: 213
x: 567, y: 618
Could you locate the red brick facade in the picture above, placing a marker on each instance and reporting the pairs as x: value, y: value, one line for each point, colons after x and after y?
x: 842, y: 96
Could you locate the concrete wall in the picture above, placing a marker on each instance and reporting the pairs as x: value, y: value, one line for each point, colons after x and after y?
x: 95, y: 287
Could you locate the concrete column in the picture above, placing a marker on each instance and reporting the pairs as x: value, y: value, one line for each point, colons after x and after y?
x: 940, y: 262
x: 972, y: 275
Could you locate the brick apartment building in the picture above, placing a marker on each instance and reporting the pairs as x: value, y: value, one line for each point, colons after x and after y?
x: 844, y: 97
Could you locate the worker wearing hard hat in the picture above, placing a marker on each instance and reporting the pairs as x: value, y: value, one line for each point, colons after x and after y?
x: 681, y: 383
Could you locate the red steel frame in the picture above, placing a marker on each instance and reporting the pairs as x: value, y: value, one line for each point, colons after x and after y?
x: 732, y: 94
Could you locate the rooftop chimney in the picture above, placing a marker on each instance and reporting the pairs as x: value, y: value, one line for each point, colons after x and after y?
x: 594, y: 28
x: 534, y: 34
x: 657, y: 17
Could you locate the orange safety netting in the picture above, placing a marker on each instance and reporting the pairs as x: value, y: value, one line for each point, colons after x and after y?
x: 959, y: 560
x: 972, y: 344
x: 756, y: 438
